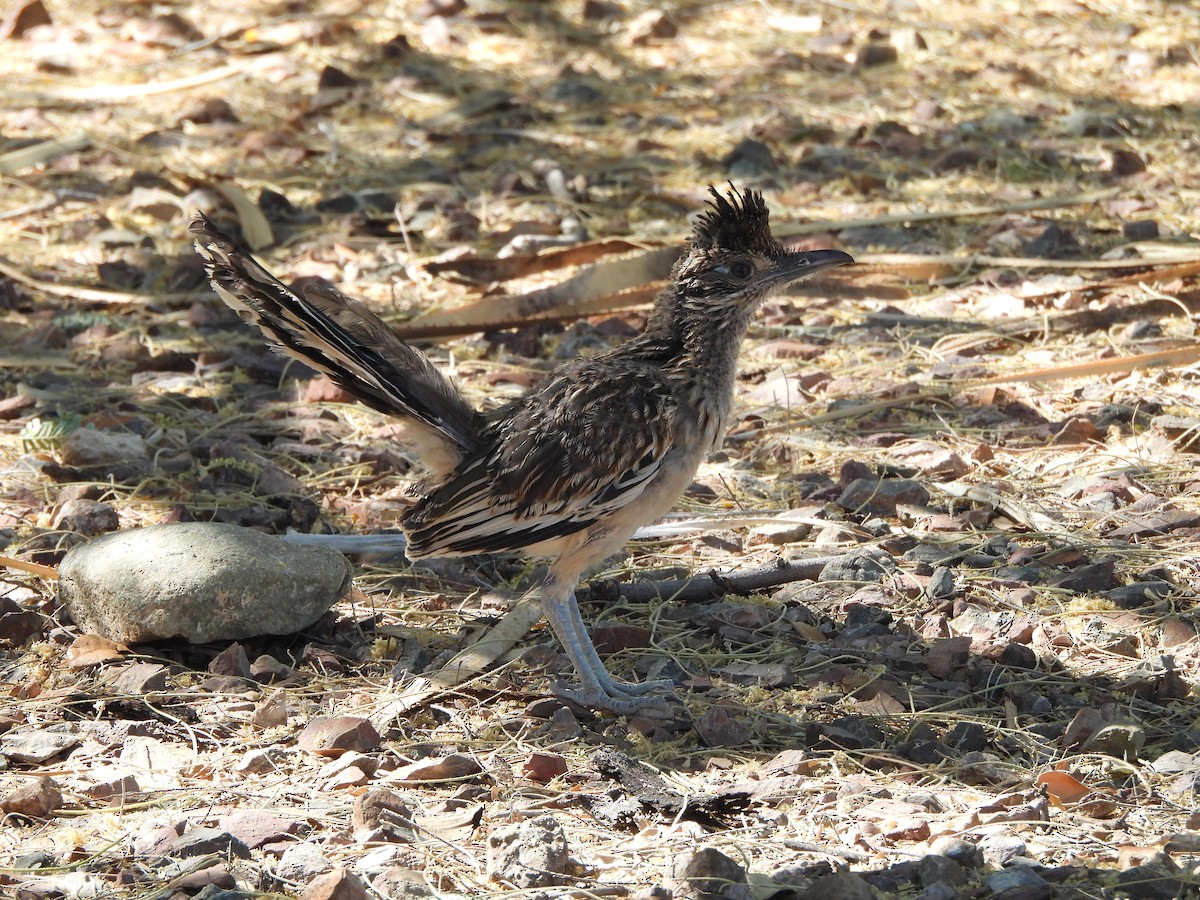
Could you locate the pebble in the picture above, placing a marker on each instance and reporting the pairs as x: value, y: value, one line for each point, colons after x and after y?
x: 37, y: 798
x: 337, y: 884
x: 301, y: 863
x: 334, y: 735
x: 532, y: 854
x: 91, y: 448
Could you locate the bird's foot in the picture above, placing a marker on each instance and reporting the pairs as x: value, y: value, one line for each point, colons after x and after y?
x: 620, y: 697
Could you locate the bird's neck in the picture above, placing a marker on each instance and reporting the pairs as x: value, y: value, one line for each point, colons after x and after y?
x: 699, y: 346
x: 704, y: 337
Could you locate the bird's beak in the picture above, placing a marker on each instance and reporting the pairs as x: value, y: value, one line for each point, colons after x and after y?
x: 802, y: 264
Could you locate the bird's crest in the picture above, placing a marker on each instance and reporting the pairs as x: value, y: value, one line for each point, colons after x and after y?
x: 735, y: 221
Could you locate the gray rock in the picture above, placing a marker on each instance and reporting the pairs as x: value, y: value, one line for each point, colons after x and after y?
x: 710, y: 874
x: 37, y: 745
x: 1001, y: 849
x: 202, y: 581
x: 532, y: 854
x: 839, y: 886
x: 1021, y: 878
x: 399, y: 883
x: 881, y: 496
x: 934, y: 868
x: 962, y: 852
x: 858, y: 568
x: 202, y: 841
x: 90, y: 448
x: 301, y: 862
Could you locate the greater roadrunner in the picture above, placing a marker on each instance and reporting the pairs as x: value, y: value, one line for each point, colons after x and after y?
x: 600, y: 447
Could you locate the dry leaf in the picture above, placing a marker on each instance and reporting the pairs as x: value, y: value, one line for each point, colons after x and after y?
x: 256, y: 230
x: 91, y: 650
x: 1063, y: 787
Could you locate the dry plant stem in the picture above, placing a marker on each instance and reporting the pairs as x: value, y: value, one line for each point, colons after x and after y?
x: 118, y: 93
x: 48, y: 572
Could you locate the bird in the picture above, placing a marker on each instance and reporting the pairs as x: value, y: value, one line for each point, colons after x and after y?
x: 601, y: 446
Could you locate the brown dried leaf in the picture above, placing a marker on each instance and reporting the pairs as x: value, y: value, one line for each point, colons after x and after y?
x: 256, y: 230
x: 1063, y: 787
x: 91, y: 650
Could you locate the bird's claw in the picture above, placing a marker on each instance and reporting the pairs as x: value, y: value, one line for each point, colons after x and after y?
x: 620, y: 697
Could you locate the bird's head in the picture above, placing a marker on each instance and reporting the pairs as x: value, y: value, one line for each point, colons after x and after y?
x: 733, y: 263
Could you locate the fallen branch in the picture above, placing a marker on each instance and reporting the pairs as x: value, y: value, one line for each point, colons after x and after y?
x: 710, y: 585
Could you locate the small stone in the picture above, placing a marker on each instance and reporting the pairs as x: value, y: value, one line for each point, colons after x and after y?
x: 749, y: 159
x: 1158, y: 879
x: 203, y: 841
x: 210, y: 111
x: 1126, y: 163
x: 196, y: 881
x: 1031, y: 885
x: 1002, y: 848
x: 17, y: 624
x: 333, y: 736
x: 600, y: 10
x: 934, y: 868
x: 717, y: 728
x: 1054, y: 241
x: 325, y: 390
x: 858, y: 568
x: 982, y: 768
x: 947, y: 656
x: 106, y: 788
x: 137, y: 679
x: 609, y: 639
x: 881, y: 496
x: 260, y: 762
x: 543, y: 766
x: 256, y: 827
x: 377, y: 807
x: 1142, y: 230
x: 271, y: 712
x: 709, y: 872
x: 266, y: 669
x: 400, y: 883
x: 37, y: 745
x: 36, y: 798
x: 871, y: 55
x: 231, y: 661
x: 88, y: 517
x: 532, y: 854
x: 338, y: 884
x: 91, y: 448
x: 302, y: 862
x: 962, y: 852
x: 838, y: 886
x: 440, y: 768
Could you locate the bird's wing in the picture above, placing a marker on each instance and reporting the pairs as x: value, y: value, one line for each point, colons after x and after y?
x: 584, y: 445
x: 340, y: 337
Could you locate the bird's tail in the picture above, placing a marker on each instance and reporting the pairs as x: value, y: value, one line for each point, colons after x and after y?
x: 338, y: 336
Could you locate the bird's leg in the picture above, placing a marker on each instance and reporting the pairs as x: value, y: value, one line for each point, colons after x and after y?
x: 597, y: 688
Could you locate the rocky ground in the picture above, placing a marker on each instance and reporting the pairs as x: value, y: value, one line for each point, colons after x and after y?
x: 967, y: 466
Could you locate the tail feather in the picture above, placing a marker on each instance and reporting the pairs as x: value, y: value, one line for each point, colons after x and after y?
x: 340, y: 337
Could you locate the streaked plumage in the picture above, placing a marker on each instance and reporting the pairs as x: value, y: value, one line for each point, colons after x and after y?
x: 600, y: 447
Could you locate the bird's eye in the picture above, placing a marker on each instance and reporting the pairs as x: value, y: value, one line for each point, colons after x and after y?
x: 739, y: 269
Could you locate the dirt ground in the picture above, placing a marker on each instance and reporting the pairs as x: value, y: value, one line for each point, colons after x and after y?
x: 989, y: 425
